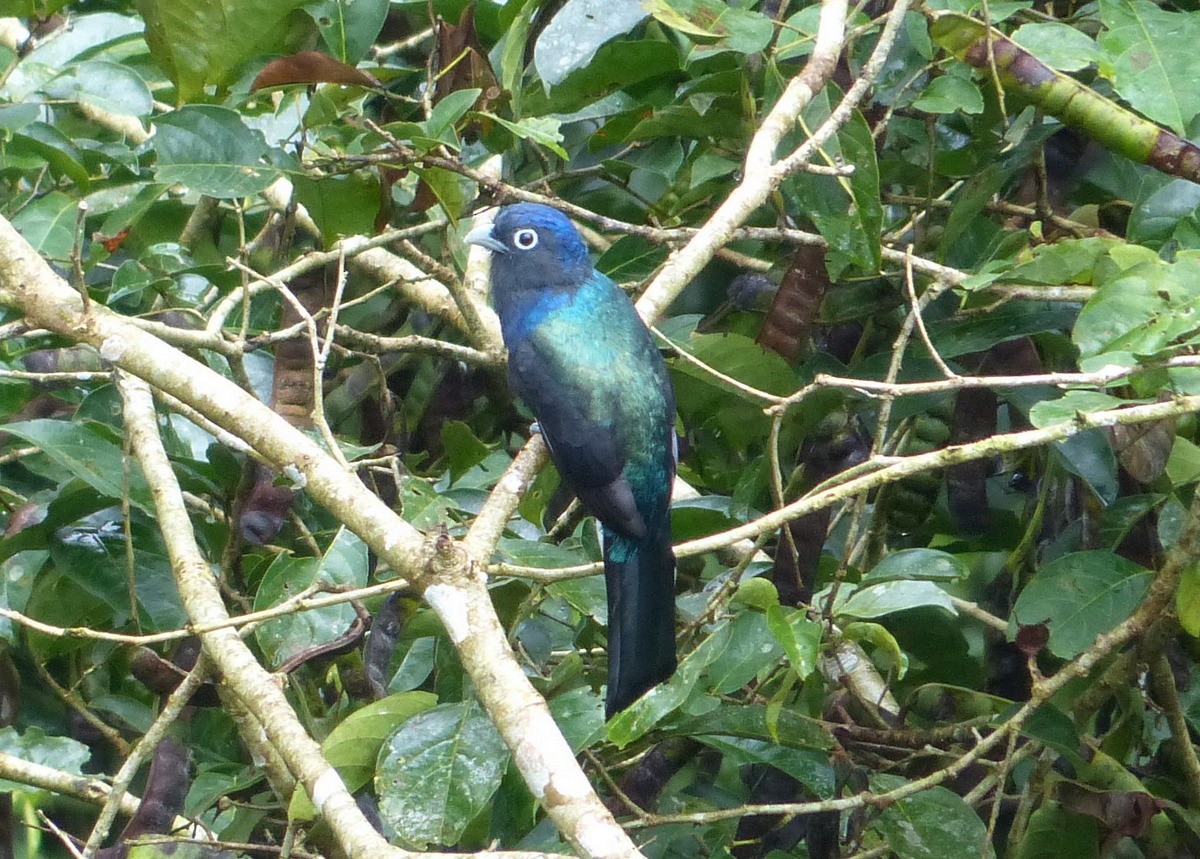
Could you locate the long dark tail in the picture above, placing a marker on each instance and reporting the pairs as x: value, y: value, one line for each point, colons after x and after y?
x: 640, y: 575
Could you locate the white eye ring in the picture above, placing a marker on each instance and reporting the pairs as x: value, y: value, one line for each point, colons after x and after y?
x: 525, y: 239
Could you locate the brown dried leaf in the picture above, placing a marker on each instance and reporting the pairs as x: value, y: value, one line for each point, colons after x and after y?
x: 1142, y: 449
x: 1031, y: 638
x: 462, y: 63
x: 1123, y: 812
x: 311, y: 67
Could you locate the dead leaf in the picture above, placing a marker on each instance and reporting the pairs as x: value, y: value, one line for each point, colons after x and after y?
x: 311, y: 67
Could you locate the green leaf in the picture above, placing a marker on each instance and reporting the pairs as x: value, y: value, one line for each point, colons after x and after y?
x: 646, y: 712
x: 927, y: 564
x: 1052, y: 728
x: 55, y: 148
x: 810, y: 767
x: 446, y: 187
x: 447, y: 112
x: 340, y: 205
x: 512, y: 53
x: 92, y: 553
x: 617, y: 65
x: 577, y: 31
x: 415, y: 667
x: 33, y: 745
x: 1080, y: 596
x: 352, y: 747
x: 933, y: 824
x: 1071, y: 404
x: 879, y: 637
x: 348, y: 27
x: 740, y: 357
x: 423, y: 506
x: 198, y: 43
x: 106, y: 85
x: 889, y: 597
x: 48, y: 224
x: 437, y: 772
x: 1059, y: 46
x: 1090, y: 456
x: 88, y: 455
x: 463, y: 448
x: 1183, y: 465
x: 845, y: 210
x: 1067, y: 261
x: 950, y: 94
x: 1141, y: 310
x: 1014, y: 319
x: 799, y: 637
x: 692, y: 518
x: 631, y: 258
x: 211, y: 150
x: 858, y: 148
x: 757, y: 592
x: 543, y: 130
x: 1054, y: 832
x: 532, y: 553
x: 681, y: 16
x: 720, y: 26
x: 1150, y: 59
x: 585, y: 595
x: 17, y: 576
x: 1187, y: 600
x: 579, y: 714
x: 344, y: 563
x: 751, y: 649
x: 785, y: 727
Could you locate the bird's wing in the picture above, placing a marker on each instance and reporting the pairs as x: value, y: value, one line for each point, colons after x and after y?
x: 585, y: 450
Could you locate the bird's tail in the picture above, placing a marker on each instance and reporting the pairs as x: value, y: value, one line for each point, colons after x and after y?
x: 640, y: 579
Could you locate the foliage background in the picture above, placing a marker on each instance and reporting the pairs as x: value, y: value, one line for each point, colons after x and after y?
x: 937, y: 590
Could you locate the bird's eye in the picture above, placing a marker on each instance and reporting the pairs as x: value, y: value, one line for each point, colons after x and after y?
x: 525, y: 239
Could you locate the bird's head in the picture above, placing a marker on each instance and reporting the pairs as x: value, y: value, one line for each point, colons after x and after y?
x: 533, y: 246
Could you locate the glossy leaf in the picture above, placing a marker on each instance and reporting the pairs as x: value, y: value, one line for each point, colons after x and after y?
x: 1187, y: 600
x: 891, y: 596
x: 199, y: 43
x: 437, y: 771
x: 36, y: 747
x: 105, y: 85
x: 950, y: 94
x: 799, y: 637
x: 932, y: 824
x: 348, y: 27
x: 353, y: 746
x: 1059, y: 46
x: 576, y: 33
x: 86, y: 454
x: 211, y: 150
x: 1146, y: 58
x: 344, y: 563
x: 751, y: 649
x: 1080, y: 596
x: 809, y: 767
x: 927, y: 564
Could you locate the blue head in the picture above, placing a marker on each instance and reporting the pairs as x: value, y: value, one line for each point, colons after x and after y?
x: 534, y: 248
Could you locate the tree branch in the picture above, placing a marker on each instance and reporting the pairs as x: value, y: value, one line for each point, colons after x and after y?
x: 453, y: 586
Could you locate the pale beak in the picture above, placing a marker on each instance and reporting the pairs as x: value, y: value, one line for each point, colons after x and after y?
x: 483, y: 237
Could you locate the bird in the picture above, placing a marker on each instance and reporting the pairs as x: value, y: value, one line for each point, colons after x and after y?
x: 585, y: 364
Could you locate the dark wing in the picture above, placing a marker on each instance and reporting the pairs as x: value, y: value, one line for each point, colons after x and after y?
x: 586, y: 452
